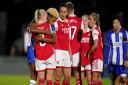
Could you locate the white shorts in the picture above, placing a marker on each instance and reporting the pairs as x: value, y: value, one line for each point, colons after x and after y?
x: 97, y: 65
x: 63, y: 58
x: 48, y: 64
x: 75, y: 60
x: 86, y: 68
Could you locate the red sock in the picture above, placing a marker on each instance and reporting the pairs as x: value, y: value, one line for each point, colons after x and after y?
x: 65, y: 82
x: 57, y: 82
x: 100, y: 83
x: 77, y: 81
x: 94, y: 82
x: 41, y: 82
x: 49, y: 82
x: 127, y: 82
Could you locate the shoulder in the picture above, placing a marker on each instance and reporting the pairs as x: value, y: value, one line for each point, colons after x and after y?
x: 79, y: 19
x: 95, y: 31
x: 123, y: 30
x: 55, y: 23
x: 110, y: 32
x: 46, y: 25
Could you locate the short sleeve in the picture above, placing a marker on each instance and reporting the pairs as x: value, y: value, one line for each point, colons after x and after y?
x: 127, y: 35
x: 95, y: 34
x: 56, y: 25
x: 52, y: 28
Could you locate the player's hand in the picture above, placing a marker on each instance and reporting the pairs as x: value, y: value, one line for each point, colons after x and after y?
x: 105, y: 66
x: 38, y: 39
x: 126, y: 63
x: 87, y: 55
x: 33, y: 26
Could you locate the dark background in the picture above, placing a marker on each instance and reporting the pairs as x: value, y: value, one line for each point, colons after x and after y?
x: 16, y: 14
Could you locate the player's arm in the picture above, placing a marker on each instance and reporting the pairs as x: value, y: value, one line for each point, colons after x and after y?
x: 33, y: 29
x: 95, y: 34
x: 107, y: 48
x: 127, y: 44
x: 94, y: 46
x: 125, y: 49
x: 51, y: 40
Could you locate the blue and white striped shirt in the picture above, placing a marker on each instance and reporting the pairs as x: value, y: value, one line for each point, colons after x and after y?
x: 115, y: 47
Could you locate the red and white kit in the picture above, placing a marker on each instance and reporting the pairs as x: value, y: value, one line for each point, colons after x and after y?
x: 75, y: 24
x: 97, y: 55
x: 85, y: 45
x: 62, y: 44
x: 45, y: 57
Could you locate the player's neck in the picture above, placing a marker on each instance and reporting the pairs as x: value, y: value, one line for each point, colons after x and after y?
x: 85, y: 29
x: 116, y: 30
x: 41, y: 21
x: 71, y: 14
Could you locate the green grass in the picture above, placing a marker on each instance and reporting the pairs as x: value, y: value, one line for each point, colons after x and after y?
x: 105, y: 81
x: 24, y: 80
x: 14, y: 80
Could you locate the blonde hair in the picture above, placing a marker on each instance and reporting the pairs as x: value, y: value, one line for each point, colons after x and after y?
x: 38, y: 13
x: 82, y: 24
x: 96, y: 17
x: 53, y: 12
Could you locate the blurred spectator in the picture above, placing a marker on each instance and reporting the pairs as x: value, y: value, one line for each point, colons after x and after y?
x: 18, y: 47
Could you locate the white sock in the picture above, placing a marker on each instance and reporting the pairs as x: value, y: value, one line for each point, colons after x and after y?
x: 32, y: 82
x: 122, y: 84
x: 111, y: 82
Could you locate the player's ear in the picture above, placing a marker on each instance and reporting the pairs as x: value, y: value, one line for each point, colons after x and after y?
x: 53, y: 19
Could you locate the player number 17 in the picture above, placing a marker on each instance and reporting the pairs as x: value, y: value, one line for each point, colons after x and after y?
x: 73, y: 32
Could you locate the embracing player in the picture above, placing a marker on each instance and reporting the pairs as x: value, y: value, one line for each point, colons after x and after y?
x: 44, y: 50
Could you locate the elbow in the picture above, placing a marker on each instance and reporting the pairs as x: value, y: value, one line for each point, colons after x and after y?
x: 31, y: 30
x: 53, y: 41
x: 96, y: 45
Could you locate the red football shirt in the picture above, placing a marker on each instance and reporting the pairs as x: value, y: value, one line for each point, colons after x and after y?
x: 75, y: 24
x: 62, y: 35
x: 85, y: 46
x: 96, y: 34
x: 44, y: 50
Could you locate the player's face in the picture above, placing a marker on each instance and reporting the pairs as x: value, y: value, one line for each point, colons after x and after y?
x: 116, y: 24
x: 85, y: 21
x: 63, y: 12
x: 51, y: 18
x: 43, y: 17
x: 92, y: 22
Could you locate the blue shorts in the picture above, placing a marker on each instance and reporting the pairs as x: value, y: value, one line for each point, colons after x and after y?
x: 117, y: 69
x: 30, y: 54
